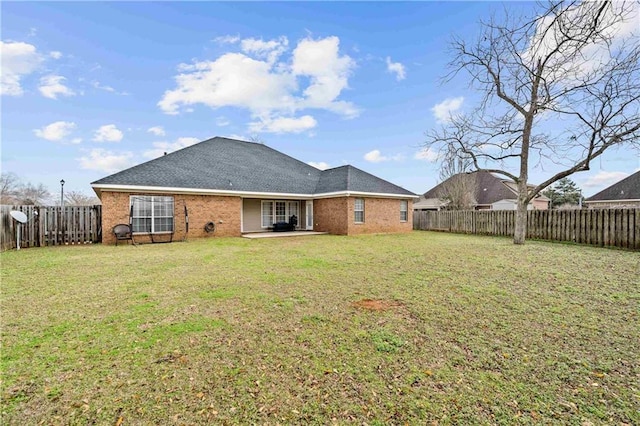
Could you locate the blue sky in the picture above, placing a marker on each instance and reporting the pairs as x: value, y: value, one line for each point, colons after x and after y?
x: 92, y: 88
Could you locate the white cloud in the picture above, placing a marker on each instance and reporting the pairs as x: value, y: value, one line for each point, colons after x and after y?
x: 283, y: 125
x: 76, y: 141
x: 319, y: 165
x: 107, y: 88
x: 270, y: 88
x: 106, y: 161
x: 228, y: 39
x: 18, y: 60
x: 51, y: 86
x: 233, y: 79
x: 55, y: 54
x: 397, y: 68
x: 329, y: 72
x: 269, y: 50
x: 222, y: 121
x: 376, y: 157
x: 108, y: 133
x: 56, y: 132
x: 427, y: 154
x: 446, y: 109
x: 159, y: 148
x: 157, y: 130
x: 604, y: 179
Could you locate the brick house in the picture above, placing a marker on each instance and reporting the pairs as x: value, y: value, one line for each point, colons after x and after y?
x: 489, y: 192
x: 620, y: 195
x: 227, y: 187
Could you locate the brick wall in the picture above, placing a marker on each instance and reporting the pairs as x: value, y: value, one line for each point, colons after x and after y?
x: 223, y: 211
x: 380, y: 215
x: 329, y: 215
x: 336, y: 216
x: 623, y: 204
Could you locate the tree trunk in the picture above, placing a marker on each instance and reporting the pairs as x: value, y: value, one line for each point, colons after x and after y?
x: 521, y: 214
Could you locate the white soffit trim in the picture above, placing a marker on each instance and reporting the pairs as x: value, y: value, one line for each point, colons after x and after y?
x: 245, y: 194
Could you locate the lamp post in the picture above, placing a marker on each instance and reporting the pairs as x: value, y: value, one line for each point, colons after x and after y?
x: 62, y: 209
x: 62, y: 193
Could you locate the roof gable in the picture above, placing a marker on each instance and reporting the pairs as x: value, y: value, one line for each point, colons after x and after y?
x: 352, y: 179
x: 627, y: 189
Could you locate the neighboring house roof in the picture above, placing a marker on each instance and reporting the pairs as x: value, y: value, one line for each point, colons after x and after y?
x: 427, y: 203
x: 627, y: 189
x: 230, y: 166
x: 488, y: 188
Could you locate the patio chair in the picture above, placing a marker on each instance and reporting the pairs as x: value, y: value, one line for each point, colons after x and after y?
x: 122, y: 231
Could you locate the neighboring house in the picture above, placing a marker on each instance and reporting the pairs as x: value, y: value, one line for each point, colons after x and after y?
x: 490, y: 193
x: 242, y: 187
x: 624, y: 194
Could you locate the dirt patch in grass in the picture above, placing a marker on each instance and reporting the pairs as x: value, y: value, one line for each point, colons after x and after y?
x: 376, y: 304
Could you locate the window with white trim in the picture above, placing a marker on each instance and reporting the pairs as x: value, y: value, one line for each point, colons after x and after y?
x: 267, y: 214
x: 404, y: 210
x: 358, y: 210
x: 151, y: 214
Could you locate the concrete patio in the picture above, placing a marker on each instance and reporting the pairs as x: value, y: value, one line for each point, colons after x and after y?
x: 281, y: 234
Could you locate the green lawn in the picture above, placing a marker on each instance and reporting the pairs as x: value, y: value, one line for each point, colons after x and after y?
x: 474, y: 330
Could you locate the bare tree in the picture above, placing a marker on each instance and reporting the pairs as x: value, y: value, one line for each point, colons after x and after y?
x: 458, y: 189
x: 256, y: 138
x: 77, y: 198
x: 574, y: 67
x: 9, y: 187
x: 30, y: 194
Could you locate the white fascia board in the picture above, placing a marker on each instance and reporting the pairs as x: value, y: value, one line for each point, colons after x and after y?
x: 244, y: 194
x: 363, y: 194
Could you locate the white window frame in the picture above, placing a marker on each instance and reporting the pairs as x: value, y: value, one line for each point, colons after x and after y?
x: 270, y: 216
x: 280, y: 212
x: 358, y: 209
x: 167, y: 201
x: 290, y: 208
x: 404, y: 210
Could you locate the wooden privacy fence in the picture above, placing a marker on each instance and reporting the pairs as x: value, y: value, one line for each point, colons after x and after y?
x: 51, y: 225
x: 601, y: 227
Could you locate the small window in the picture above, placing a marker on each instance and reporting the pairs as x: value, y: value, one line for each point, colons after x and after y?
x: 358, y: 210
x: 151, y: 214
x: 404, y: 210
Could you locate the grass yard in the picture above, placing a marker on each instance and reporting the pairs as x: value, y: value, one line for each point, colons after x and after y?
x: 391, y: 329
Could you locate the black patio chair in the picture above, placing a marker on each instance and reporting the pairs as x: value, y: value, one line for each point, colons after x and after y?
x: 122, y: 231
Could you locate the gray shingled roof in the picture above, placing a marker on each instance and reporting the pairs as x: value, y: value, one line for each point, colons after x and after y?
x: 627, y: 189
x: 349, y: 178
x: 489, y: 188
x: 233, y: 165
